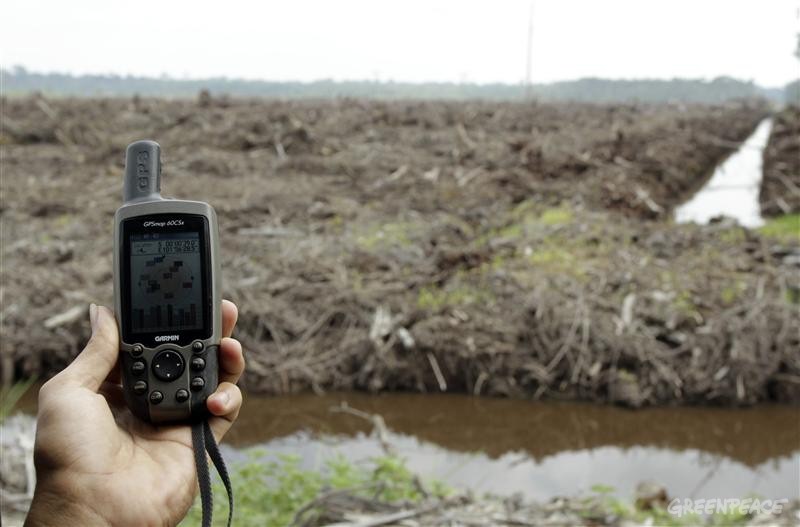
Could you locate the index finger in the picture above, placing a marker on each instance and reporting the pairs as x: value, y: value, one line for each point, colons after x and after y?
x: 229, y: 316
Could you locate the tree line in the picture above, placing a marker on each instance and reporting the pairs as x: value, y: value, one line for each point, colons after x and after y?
x: 18, y: 81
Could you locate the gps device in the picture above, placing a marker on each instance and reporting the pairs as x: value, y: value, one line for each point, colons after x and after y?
x: 166, y: 294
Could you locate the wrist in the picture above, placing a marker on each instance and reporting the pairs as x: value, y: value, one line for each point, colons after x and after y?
x: 55, y: 505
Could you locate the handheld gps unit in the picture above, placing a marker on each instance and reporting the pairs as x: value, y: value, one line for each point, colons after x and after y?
x: 166, y: 294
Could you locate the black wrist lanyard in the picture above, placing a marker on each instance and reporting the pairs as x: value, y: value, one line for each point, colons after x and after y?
x: 203, y: 441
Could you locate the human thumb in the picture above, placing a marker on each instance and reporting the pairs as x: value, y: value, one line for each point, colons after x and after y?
x: 91, y: 367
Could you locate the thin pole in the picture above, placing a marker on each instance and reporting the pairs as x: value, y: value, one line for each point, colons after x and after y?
x: 529, y: 56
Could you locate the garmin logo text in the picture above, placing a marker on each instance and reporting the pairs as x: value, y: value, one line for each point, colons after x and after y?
x: 167, y: 338
x: 170, y: 223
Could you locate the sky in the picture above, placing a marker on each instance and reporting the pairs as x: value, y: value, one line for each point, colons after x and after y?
x: 479, y: 41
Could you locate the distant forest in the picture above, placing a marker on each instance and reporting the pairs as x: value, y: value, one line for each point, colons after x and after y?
x: 19, y: 81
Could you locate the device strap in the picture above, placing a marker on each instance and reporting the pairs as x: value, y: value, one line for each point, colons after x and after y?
x: 219, y: 464
x: 203, y: 441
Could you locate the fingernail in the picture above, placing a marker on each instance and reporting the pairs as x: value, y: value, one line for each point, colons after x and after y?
x: 223, y: 398
x: 93, y: 316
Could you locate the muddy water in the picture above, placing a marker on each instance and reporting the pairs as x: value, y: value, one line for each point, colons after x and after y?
x: 733, y: 188
x: 538, y: 449
x: 542, y: 449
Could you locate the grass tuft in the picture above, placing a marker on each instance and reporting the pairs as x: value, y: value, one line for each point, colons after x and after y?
x: 785, y: 228
x: 270, y: 491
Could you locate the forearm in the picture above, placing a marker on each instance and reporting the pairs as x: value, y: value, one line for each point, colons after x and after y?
x: 51, y: 507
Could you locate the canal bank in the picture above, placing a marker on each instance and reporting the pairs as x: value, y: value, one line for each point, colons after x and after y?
x: 780, y: 192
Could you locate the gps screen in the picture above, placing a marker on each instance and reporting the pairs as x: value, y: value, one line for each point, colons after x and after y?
x: 166, y: 282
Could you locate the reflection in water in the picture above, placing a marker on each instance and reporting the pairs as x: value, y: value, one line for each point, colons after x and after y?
x: 733, y: 188
x: 543, y: 449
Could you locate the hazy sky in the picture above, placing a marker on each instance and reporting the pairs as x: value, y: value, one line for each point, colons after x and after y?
x: 408, y: 40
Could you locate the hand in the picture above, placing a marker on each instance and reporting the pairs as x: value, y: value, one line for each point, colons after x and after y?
x: 97, y: 464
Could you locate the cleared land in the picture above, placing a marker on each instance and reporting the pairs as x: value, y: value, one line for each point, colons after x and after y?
x: 490, y: 248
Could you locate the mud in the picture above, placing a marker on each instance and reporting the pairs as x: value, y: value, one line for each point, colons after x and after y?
x: 780, y: 188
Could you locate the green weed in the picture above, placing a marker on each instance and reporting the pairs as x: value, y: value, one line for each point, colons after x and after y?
x: 551, y: 256
x: 556, y: 216
x: 387, y: 235
x: 270, y: 492
x: 684, y: 304
x: 732, y: 292
x: 733, y: 235
x: 436, y: 298
x: 525, y: 221
x: 792, y: 296
x: 785, y: 228
x: 10, y: 396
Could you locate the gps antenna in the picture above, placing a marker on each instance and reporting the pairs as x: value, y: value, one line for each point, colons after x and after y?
x: 142, y: 172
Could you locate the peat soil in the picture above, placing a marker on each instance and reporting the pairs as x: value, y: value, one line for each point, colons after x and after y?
x: 504, y: 249
x: 780, y: 188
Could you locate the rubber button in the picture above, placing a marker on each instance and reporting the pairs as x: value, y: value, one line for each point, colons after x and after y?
x: 138, y: 367
x: 137, y: 349
x: 181, y: 395
x: 197, y: 346
x: 156, y: 397
x: 139, y: 387
x: 168, y: 365
x: 198, y: 364
x: 197, y: 384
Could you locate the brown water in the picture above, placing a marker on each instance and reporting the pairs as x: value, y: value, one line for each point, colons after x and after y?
x: 542, y: 449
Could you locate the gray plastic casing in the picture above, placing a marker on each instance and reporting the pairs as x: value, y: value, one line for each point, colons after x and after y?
x: 143, y: 199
